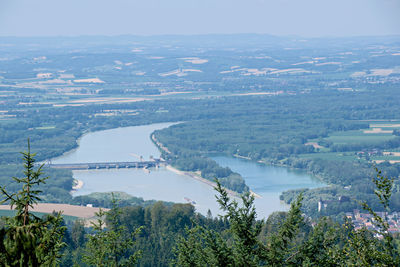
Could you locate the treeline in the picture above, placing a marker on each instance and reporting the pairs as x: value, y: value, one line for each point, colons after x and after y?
x: 105, y: 200
x: 161, y: 227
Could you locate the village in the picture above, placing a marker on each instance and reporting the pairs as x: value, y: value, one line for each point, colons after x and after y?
x: 366, y: 220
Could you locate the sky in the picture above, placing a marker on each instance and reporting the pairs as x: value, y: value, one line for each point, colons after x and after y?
x: 308, y: 18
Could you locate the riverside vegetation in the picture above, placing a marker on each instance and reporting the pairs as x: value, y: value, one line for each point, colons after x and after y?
x: 261, y: 128
x: 160, y: 235
x: 312, y: 107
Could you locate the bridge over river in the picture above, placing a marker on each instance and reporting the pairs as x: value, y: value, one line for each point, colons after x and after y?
x: 107, y: 165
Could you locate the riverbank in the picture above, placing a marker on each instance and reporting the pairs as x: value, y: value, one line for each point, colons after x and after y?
x: 192, y: 174
x: 208, y: 182
x: 78, y: 184
x: 199, y: 178
x: 284, y: 165
x: 319, y: 177
x: 159, y: 144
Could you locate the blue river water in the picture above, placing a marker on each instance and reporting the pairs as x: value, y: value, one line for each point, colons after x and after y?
x: 129, y: 143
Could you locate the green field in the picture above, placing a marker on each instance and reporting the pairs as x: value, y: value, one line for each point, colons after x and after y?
x: 358, y: 137
x: 353, y: 137
x: 45, y: 128
x: 385, y: 157
x: 342, y: 156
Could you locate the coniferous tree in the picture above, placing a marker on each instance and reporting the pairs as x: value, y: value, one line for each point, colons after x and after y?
x: 204, y: 247
x: 326, y: 244
x: 110, y: 243
x: 365, y: 247
x: 25, y: 239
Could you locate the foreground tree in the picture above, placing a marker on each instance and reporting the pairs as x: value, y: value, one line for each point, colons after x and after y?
x: 25, y: 239
x: 243, y: 247
x: 375, y: 247
x: 326, y: 244
x: 111, y: 242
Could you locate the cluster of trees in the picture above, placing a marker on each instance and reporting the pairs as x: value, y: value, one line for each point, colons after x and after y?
x: 208, y: 169
x: 160, y: 235
x: 105, y: 200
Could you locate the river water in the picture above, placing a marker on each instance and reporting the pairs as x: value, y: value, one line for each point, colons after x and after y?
x: 268, y: 181
x: 129, y: 143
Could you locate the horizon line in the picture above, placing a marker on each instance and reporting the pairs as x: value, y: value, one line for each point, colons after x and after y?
x: 200, y: 35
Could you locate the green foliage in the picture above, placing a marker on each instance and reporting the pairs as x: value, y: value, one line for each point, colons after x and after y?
x: 361, y: 245
x: 243, y: 226
x: 280, y: 248
x: 326, y: 244
x: 322, y: 246
x: 55, y: 189
x: 202, y: 247
x: 105, y: 200
x: 208, y: 169
x: 243, y: 247
x: 162, y: 225
x: 110, y: 241
x: 27, y: 240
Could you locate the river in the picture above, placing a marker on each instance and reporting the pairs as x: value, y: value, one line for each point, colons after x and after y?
x: 268, y: 181
x: 129, y: 143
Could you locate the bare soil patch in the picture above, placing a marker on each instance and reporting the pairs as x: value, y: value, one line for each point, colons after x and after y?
x: 396, y: 154
x: 314, y: 144
x: 386, y: 125
x: 71, y: 210
x: 377, y: 131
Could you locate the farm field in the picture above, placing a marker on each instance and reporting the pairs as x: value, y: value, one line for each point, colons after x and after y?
x: 340, y: 156
x: 72, y: 211
x: 379, y: 132
x: 358, y: 137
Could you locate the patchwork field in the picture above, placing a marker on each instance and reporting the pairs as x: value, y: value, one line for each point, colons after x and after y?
x: 379, y: 131
x: 359, y: 137
x: 342, y: 156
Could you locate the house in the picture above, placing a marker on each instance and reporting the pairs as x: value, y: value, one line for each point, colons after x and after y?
x: 44, y: 75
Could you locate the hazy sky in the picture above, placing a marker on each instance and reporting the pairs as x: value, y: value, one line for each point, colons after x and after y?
x: 149, y: 17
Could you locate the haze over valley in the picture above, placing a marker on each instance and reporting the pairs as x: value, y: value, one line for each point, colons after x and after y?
x: 180, y: 134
